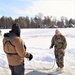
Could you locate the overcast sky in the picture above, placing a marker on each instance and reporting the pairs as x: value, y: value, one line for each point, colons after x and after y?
x: 57, y: 8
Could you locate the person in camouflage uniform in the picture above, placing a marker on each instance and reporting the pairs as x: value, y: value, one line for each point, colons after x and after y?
x: 59, y: 43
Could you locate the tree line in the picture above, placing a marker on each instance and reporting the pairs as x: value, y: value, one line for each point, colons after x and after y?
x: 36, y: 22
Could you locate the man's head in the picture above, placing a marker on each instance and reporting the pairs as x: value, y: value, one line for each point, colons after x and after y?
x: 16, y: 29
x: 57, y: 32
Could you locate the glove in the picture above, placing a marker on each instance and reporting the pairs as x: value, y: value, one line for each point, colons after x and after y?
x: 30, y: 57
x: 51, y: 47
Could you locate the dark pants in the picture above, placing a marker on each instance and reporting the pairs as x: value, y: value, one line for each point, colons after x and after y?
x: 17, y: 70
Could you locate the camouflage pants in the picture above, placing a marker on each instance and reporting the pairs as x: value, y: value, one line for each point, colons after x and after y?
x: 59, y: 56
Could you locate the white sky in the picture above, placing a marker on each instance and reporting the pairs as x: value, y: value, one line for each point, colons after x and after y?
x: 55, y: 8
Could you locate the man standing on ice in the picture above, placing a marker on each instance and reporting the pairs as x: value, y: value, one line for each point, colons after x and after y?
x: 59, y: 43
x: 15, y: 50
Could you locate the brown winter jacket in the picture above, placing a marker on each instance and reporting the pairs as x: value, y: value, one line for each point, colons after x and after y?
x: 15, y: 53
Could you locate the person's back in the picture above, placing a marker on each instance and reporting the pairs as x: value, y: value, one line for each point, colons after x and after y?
x: 15, y: 49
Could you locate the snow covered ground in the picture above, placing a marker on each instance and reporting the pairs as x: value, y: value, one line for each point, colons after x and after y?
x: 38, y: 42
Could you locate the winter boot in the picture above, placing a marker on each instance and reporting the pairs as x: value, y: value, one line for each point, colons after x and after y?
x: 61, y: 70
x: 58, y: 69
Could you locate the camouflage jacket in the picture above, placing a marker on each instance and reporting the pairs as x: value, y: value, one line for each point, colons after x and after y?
x: 59, y: 42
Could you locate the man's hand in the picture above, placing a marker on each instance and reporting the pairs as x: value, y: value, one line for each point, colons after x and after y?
x: 62, y: 50
x: 50, y: 47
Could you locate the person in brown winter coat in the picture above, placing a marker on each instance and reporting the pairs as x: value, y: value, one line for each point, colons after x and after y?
x: 15, y: 50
